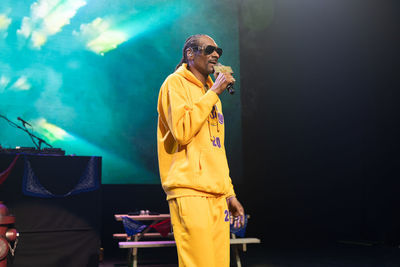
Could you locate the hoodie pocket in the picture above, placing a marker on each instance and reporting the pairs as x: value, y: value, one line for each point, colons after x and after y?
x: 213, y: 169
x: 179, y: 165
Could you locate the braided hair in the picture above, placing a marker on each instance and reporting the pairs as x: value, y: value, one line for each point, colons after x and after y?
x: 192, y: 41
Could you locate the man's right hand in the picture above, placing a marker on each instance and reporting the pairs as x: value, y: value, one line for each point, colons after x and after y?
x: 221, y: 82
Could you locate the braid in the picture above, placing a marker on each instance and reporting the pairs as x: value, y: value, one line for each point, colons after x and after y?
x: 192, y: 41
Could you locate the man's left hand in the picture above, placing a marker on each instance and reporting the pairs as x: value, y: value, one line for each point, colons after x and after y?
x: 236, y: 211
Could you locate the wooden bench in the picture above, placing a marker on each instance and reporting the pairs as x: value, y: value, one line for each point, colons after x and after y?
x: 171, y: 243
x: 146, y: 235
x: 135, y: 242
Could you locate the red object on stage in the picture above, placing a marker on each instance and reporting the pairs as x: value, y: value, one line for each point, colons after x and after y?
x: 4, y: 174
x: 164, y: 227
x: 7, y: 234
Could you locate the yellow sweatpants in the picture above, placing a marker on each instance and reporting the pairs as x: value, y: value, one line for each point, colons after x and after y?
x: 201, y: 231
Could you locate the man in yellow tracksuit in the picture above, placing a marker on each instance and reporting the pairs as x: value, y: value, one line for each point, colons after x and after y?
x: 193, y: 166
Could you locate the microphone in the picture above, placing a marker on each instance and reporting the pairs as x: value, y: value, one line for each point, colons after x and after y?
x: 219, y: 68
x: 23, y: 122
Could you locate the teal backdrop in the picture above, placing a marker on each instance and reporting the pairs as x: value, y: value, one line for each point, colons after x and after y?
x: 86, y: 75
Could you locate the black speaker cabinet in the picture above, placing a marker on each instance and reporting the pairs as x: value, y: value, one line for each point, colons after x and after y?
x: 56, y: 202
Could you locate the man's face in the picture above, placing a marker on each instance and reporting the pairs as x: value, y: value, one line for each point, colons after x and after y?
x: 202, y: 62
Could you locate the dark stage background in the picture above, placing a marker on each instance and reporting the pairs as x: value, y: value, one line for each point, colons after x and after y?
x: 320, y: 115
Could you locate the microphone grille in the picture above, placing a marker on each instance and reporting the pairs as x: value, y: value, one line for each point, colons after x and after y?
x: 219, y: 68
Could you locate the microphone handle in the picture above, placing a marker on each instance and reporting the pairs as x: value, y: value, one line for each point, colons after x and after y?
x: 230, y: 89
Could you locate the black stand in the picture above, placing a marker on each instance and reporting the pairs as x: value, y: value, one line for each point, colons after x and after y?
x: 31, y: 135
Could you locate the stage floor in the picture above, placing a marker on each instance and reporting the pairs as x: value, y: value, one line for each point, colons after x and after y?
x: 286, y: 255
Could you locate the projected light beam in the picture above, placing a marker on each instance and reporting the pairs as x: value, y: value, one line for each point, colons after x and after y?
x: 51, y: 131
x: 150, y: 21
x: 105, y: 34
x: 47, y: 18
x: 4, y: 22
x: 113, y: 165
x: 99, y: 35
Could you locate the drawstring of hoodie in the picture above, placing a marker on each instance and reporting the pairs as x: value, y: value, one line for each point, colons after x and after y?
x: 209, y: 119
x: 209, y: 128
x: 216, y: 117
x: 215, y: 109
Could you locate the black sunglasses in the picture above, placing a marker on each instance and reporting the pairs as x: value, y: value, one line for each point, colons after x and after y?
x: 209, y: 49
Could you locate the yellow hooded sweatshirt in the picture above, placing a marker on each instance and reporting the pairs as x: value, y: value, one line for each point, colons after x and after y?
x: 190, y: 138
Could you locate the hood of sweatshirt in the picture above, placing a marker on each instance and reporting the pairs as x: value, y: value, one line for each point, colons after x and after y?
x: 188, y: 75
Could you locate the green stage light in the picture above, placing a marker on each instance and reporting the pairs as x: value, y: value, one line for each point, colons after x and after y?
x: 53, y: 74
